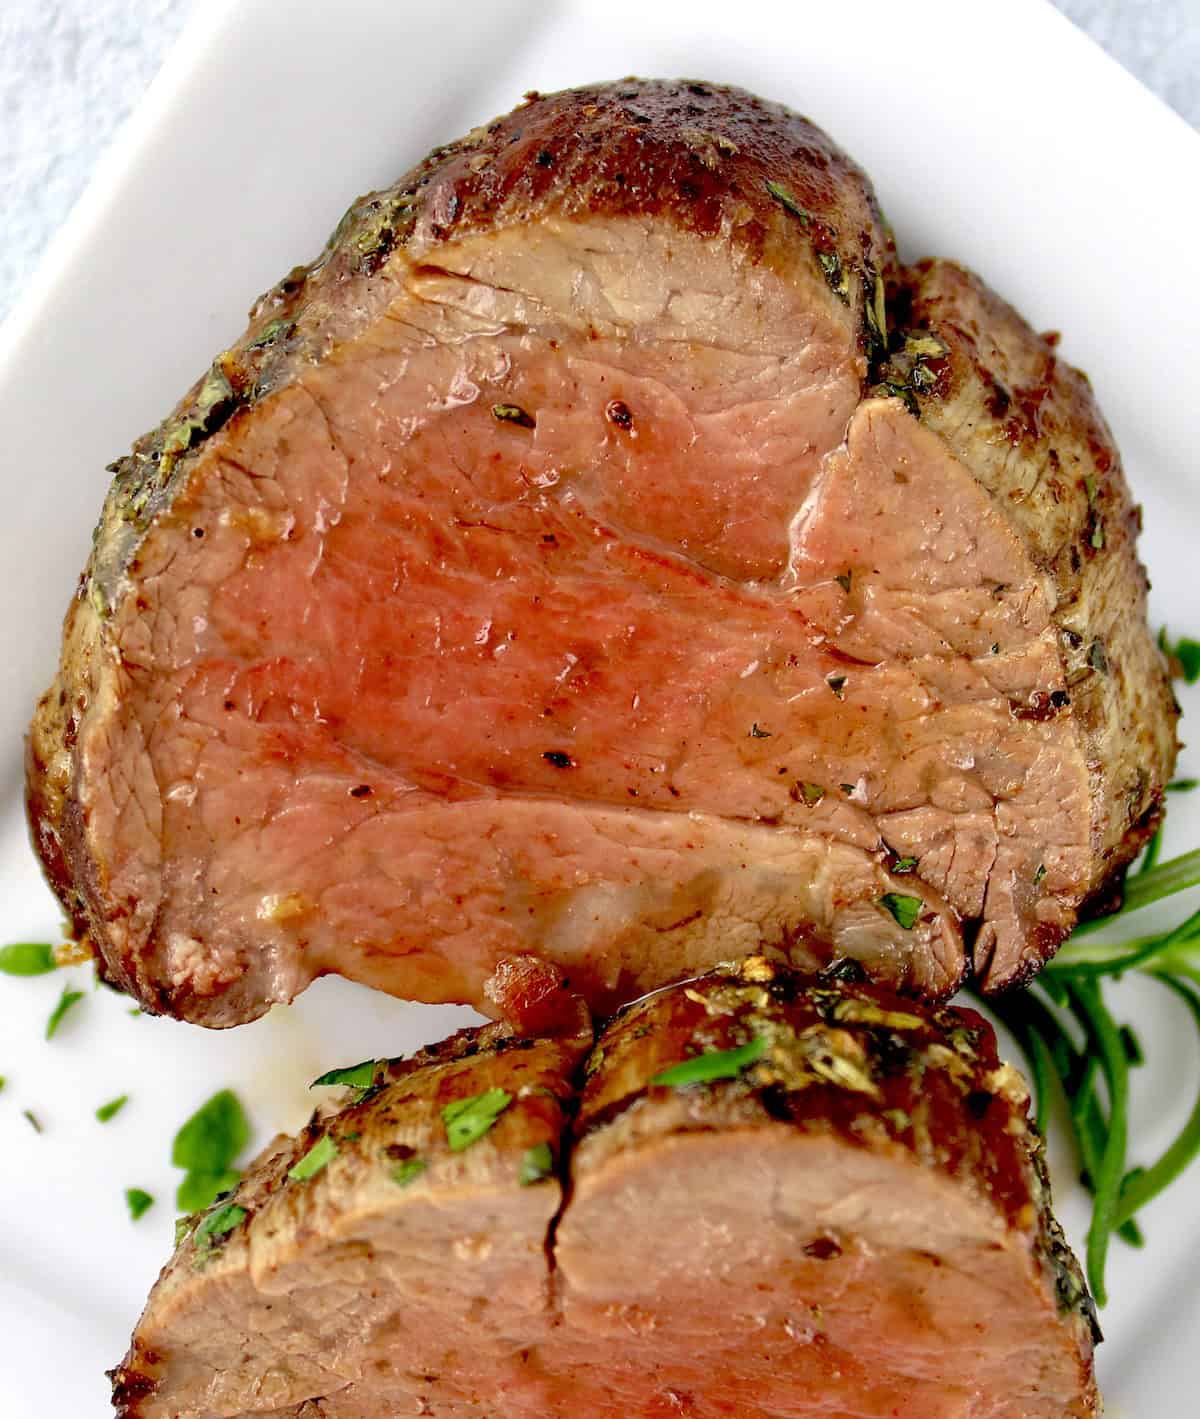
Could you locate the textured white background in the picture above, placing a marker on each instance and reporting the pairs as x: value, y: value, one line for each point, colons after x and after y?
x: 71, y: 71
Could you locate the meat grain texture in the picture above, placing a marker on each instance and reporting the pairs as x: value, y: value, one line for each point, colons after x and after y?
x: 854, y: 1223
x: 606, y: 553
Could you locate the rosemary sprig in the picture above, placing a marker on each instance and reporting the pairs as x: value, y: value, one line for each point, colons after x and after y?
x: 1074, y: 1044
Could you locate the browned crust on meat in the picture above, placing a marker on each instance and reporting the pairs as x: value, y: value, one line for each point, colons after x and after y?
x: 1028, y: 426
x: 844, y: 1059
x: 698, y: 155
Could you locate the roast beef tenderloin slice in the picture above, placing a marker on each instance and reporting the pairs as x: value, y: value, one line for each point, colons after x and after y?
x: 856, y: 1224
x: 489, y: 598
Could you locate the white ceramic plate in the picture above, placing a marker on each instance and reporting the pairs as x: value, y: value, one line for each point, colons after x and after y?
x: 996, y: 135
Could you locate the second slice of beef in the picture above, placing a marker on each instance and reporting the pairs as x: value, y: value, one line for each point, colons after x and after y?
x: 555, y: 569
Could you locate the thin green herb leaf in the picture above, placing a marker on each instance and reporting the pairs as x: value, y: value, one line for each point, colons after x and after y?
x: 112, y: 1108
x: 319, y: 1156
x: 1151, y: 855
x: 354, y: 1076
x: 713, y: 1064
x: 66, y: 1000
x: 138, y: 1202
x: 1110, y: 1169
x: 34, y: 1122
x: 1182, y: 785
x: 27, y: 958
x: 787, y: 201
x: 467, y: 1120
x: 1140, y: 1187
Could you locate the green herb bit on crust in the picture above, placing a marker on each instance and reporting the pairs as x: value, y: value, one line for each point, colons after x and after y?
x: 354, y: 1076
x: 906, y: 910
x: 467, y: 1120
x: 138, y: 1202
x: 789, y: 203
x: 219, y: 1224
x: 536, y: 1165
x: 713, y: 1064
x: 27, y: 958
x: 319, y: 1156
x: 409, y: 1171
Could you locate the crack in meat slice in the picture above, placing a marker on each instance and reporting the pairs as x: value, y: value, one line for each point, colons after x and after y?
x: 551, y: 588
x: 855, y: 1224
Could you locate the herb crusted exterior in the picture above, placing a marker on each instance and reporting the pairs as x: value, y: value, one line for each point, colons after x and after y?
x: 658, y: 343
x: 905, y: 1110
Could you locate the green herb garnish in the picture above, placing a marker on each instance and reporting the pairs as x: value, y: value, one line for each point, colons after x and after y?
x: 536, y: 1165
x: 409, y: 1171
x: 903, y: 865
x: 34, y: 1122
x: 811, y: 793
x: 467, y: 1120
x: 27, y: 958
x: 206, y: 1147
x: 66, y: 1000
x: 835, y: 275
x: 138, y: 1202
x: 789, y: 203
x: 1077, y: 1048
x: 112, y: 1108
x: 1185, y: 652
x: 713, y: 1064
x: 354, y: 1076
x: 320, y: 1155
x: 199, y: 1190
x: 513, y: 414
x: 906, y: 910
x: 219, y: 1224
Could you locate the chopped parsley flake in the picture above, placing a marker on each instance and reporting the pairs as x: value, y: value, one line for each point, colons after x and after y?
x: 138, y: 1202
x: 812, y: 793
x: 537, y: 1164
x: 1182, y: 785
x: 906, y: 910
x: 513, y: 414
x: 904, y: 864
x: 65, y: 1001
x: 219, y: 1224
x: 27, y: 958
x: 713, y: 1064
x: 354, y: 1076
x: 34, y: 1122
x: 409, y: 1171
x: 112, y: 1108
x: 467, y: 1120
x: 206, y: 1147
x: 319, y: 1156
